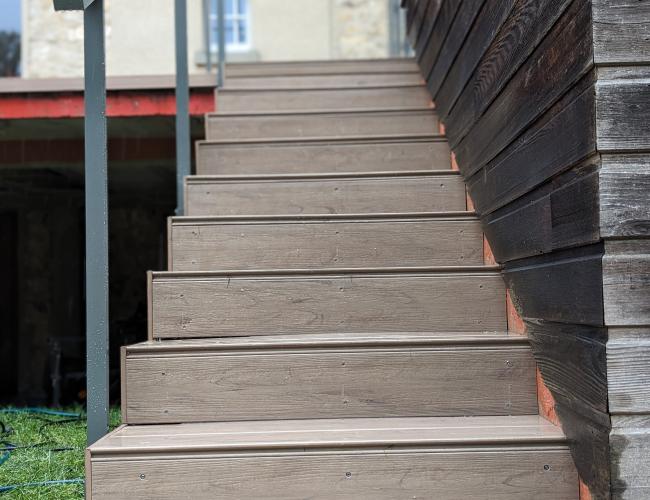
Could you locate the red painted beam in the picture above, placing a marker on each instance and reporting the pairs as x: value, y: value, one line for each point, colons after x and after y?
x: 118, y: 104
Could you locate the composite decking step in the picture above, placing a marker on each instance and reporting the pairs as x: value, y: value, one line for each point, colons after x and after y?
x: 328, y: 376
x: 316, y: 241
x: 324, y: 81
x: 266, y: 302
x: 510, y: 458
x: 320, y: 125
x: 340, y: 67
x: 341, y: 193
x: 251, y: 100
x: 250, y: 157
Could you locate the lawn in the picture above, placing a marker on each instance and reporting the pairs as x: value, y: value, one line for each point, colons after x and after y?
x: 38, y: 447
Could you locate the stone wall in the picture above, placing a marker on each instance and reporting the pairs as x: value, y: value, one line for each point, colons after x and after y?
x: 360, y: 29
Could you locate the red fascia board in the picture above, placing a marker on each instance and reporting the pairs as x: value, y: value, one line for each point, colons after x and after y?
x: 118, y: 104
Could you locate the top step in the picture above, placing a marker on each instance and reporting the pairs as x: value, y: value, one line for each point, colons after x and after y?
x: 341, y: 67
x: 323, y: 81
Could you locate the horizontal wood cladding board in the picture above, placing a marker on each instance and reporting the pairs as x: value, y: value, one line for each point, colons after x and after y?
x: 536, y: 86
x: 563, y: 286
x: 467, y: 13
x: 241, y: 101
x: 560, y: 214
x: 304, y: 157
x: 622, y: 109
x: 490, y: 377
x: 528, y: 22
x: 429, y: 53
x: 488, y: 22
x: 370, y: 66
x: 430, y: 19
x: 630, y: 440
x: 422, y: 191
x: 546, y: 148
x: 414, y: 27
x: 321, y: 125
x: 186, y: 305
x: 327, y: 81
x: 626, y: 281
x: 624, y: 188
x: 621, y: 30
x: 628, y: 370
x: 207, y: 243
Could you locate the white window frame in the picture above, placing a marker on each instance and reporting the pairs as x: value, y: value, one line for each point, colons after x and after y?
x: 234, y: 18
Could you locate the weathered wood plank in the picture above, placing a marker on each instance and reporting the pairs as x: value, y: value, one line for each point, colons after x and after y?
x: 563, y: 286
x: 437, y: 37
x: 623, y: 108
x: 630, y: 440
x: 397, y: 192
x: 545, y: 148
x: 295, y: 68
x: 212, y: 305
x: 306, y: 157
x: 333, y: 125
x: 558, y: 215
x: 528, y: 22
x: 466, y: 15
x: 488, y: 22
x: 324, y: 81
x: 626, y: 281
x: 624, y: 188
x: 535, y: 88
x: 208, y: 243
x: 430, y: 21
x: 621, y: 29
x: 242, y: 101
x: 628, y: 370
x: 436, y: 379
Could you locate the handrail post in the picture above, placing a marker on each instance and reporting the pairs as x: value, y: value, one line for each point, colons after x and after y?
x: 206, y: 36
x: 221, y: 20
x: 96, y: 194
x: 183, y: 156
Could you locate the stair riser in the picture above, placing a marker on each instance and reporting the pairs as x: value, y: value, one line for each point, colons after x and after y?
x: 313, y: 158
x: 184, y: 306
x: 339, y: 125
x: 178, y: 388
x: 360, y: 195
x: 506, y: 474
x: 204, y: 246
x: 321, y: 68
x: 256, y: 101
x: 324, y: 81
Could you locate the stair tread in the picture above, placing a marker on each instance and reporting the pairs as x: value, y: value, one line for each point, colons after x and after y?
x: 330, y: 433
x: 338, y: 339
x: 195, y: 179
x: 312, y: 112
x: 298, y: 218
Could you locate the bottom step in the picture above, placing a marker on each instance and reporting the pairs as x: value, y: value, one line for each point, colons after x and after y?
x: 385, y: 458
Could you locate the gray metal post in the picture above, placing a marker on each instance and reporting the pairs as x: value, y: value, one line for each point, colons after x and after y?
x: 206, y: 35
x: 183, y: 157
x: 221, y: 20
x: 96, y: 221
x: 96, y: 173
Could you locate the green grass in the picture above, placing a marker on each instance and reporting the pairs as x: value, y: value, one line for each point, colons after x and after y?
x: 45, y: 452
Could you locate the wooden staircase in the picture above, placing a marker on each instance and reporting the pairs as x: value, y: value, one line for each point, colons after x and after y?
x: 327, y: 328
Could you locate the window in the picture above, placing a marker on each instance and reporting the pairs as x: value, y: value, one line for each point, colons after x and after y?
x: 237, y: 26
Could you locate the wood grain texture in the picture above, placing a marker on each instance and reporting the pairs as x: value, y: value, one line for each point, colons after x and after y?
x: 321, y: 81
x: 483, y: 31
x: 622, y: 109
x: 528, y: 22
x: 242, y: 101
x: 624, y: 188
x: 421, y: 191
x: 621, y: 30
x: 533, y: 89
x: 563, y: 287
x: 466, y: 15
x: 431, y: 15
x: 339, y: 67
x: 435, y: 40
x: 304, y: 157
x: 630, y: 439
x: 209, y: 384
x: 335, y: 125
x: 207, y: 244
x: 628, y: 370
x: 626, y: 278
x: 212, y: 305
